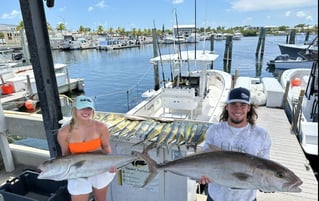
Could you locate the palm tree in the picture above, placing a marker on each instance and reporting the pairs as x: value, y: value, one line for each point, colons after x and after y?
x: 100, y: 29
x: 61, y: 27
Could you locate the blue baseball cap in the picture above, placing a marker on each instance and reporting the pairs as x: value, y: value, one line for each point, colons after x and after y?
x: 82, y: 102
x: 239, y: 94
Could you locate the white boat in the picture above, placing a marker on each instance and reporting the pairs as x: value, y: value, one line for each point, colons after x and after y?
x: 109, y: 44
x: 195, y: 92
x: 193, y: 38
x: 78, y: 44
x: 264, y: 91
x: 219, y: 36
x: 237, y: 35
x: 170, y: 39
x: 284, y: 61
x: 21, y: 79
x: 305, y: 122
x: 256, y: 88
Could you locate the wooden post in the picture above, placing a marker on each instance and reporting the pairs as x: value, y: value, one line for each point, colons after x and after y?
x: 228, y: 54
x: 284, y: 100
x: 292, y: 37
x: 212, y: 47
x: 296, y: 114
x: 261, y: 42
x: 155, y: 53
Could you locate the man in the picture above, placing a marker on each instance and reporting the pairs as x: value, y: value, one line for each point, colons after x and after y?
x: 236, y: 131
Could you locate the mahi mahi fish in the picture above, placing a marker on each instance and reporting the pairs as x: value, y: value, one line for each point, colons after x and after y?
x: 233, y: 169
x: 82, y: 165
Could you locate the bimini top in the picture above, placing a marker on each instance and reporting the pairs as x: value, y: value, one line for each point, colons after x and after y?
x: 187, y: 56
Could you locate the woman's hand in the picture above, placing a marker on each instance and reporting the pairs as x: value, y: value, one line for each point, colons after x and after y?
x: 204, y: 180
x: 113, y: 169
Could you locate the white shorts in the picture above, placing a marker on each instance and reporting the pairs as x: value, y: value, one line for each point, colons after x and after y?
x: 81, y: 186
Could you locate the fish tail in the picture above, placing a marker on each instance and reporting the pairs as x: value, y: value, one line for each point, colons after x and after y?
x: 152, y: 165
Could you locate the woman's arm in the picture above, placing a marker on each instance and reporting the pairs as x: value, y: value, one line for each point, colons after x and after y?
x: 105, y: 137
x: 63, y: 140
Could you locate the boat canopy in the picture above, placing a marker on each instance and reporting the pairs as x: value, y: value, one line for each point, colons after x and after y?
x: 187, y: 56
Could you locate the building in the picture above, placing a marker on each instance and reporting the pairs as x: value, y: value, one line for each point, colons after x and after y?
x: 183, y: 30
x: 9, y: 35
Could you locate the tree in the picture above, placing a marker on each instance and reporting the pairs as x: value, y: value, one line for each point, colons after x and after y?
x: 20, y: 26
x: 61, y: 27
x: 100, y: 29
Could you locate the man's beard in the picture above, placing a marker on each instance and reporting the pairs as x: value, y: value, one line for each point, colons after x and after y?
x: 236, y: 121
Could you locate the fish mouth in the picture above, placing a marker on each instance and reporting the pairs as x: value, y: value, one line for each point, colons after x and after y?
x: 294, y: 187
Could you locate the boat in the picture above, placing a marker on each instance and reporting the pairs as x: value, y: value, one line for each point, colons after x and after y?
x: 108, y: 44
x: 219, y: 36
x: 298, y: 50
x: 77, y: 44
x: 256, y: 88
x: 237, y: 35
x: 194, y: 93
x: 264, y: 91
x: 170, y: 39
x: 18, y: 83
x: 302, y: 110
x: 284, y: 61
x: 193, y: 38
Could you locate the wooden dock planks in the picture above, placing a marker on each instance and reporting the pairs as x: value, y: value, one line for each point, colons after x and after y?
x: 287, y: 151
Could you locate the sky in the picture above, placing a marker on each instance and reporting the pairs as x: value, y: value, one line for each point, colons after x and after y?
x: 145, y: 14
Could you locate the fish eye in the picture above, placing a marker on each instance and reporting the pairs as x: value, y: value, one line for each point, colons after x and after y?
x: 280, y: 174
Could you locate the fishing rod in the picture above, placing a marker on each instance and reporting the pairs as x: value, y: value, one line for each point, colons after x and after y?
x: 160, y: 55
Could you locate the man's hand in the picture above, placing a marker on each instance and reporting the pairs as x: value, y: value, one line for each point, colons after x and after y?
x: 204, y: 180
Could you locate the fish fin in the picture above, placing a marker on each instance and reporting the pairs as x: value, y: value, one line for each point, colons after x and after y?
x: 152, y: 165
x: 241, y: 176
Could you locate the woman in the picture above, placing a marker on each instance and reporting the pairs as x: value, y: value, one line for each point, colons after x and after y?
x: 83, y: 135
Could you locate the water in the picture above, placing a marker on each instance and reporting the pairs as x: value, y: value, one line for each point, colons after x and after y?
x: 111, y: 75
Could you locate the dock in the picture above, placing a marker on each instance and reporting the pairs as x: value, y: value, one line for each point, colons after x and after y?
x: 287, y: 151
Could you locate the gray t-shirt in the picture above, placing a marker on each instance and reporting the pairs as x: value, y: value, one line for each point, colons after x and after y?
x: 249, y: 139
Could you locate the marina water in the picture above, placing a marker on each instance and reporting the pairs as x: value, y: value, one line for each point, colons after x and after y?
x: 116, y: 79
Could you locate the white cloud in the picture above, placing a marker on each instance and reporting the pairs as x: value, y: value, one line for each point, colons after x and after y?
x: 90, y: 8
x: 62, y: 9
x: 300, y: 14
x: 255, y: 5
x: 177, y: 1
x: 288, y: 13
x: 100, y: 4
x: 309, y: 18
x: 12, y: 15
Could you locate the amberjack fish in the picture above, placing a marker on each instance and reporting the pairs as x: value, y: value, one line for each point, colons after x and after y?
x: 82, y: 165
x: 233, y: 169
